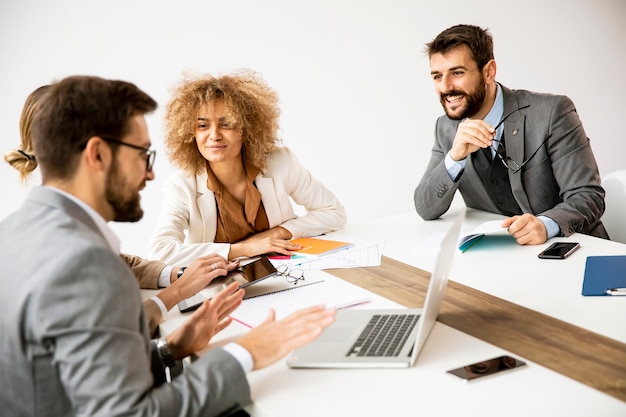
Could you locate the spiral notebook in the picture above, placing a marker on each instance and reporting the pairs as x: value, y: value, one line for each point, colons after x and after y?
x: 318, y: 288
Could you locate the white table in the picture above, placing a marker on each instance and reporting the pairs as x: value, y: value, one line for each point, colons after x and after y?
x: 551, y: 287
x: 509, y: 271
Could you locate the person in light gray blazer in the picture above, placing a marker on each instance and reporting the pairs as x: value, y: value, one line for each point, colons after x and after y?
x: 73, y: 333
x: 513, y: 152
x: 179, y: 283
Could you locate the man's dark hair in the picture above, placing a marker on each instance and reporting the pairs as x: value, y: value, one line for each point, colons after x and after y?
x: 478, y: 40
x: 76, y: 109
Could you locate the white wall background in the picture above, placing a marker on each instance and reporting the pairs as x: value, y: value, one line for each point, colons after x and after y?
x: 358, y: 104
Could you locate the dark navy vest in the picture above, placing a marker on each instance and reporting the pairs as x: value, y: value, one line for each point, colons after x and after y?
x: 495, y: 178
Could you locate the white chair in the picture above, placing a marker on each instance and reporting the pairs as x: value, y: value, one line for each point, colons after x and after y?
x: 614, y: 217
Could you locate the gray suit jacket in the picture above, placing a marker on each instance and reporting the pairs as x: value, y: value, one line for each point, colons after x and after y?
x: 561, y: 181
x: 73, y: 335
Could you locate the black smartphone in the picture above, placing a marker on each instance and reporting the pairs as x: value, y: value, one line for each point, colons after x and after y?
x: 559, y: 250
x: 486, y: 368
x: 245, y: 275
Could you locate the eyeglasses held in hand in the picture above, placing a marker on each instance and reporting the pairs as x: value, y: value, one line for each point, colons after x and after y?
x: 291, y: 275
x: 508, y: 162
x: 150, y: 153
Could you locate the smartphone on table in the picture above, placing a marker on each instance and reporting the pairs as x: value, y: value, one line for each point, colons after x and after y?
x: 559, y: 250
x: 485, y: 368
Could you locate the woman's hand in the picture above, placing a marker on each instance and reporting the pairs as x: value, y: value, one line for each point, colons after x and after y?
x: 276, y: 239
x: 200, y: 273
x: 195, y: 278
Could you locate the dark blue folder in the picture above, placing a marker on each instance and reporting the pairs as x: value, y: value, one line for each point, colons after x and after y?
x: 603, y: 273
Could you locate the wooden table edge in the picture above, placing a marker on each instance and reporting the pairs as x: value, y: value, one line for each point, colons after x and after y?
x: 587, y: 357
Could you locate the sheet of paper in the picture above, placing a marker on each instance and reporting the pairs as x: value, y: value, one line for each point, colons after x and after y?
x: 319, y: 289
x: 489, y: 228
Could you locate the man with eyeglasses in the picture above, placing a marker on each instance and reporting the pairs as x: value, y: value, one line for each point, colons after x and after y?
x: 177, y: 282
x: 512, y: 152
x: 73, y: 332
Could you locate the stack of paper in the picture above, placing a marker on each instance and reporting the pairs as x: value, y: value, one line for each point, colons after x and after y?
x: 493, y: 227
x: 319, y: 247
x: 357, y: 253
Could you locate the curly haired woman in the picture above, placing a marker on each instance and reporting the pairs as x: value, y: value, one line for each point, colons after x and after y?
x: 232, y: 195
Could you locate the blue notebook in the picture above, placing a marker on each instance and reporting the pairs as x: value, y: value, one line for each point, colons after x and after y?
x: 603, y: 273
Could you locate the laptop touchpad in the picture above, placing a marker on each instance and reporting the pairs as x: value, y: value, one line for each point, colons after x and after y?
x: 335, y: 334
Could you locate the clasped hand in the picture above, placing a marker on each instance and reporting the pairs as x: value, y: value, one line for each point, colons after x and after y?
x: 276, y: 239
x: 471, y: 135
x: 527, y: 229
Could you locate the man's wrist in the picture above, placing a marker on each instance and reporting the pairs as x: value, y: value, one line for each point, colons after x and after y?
x: 164, y: 352
x: 241, y: 354
x: 552, y: 227
x: 454, y: 168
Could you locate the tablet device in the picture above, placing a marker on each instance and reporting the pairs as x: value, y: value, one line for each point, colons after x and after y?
x: 245, y: 275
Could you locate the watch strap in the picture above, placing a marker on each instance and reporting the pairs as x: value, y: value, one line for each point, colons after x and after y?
x: 164, y: 353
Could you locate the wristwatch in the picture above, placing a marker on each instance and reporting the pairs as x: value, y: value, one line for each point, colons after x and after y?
x: 181, y: 271
x: 164, y: 353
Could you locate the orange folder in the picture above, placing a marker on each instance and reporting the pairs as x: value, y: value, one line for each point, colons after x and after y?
x: 315, y: 246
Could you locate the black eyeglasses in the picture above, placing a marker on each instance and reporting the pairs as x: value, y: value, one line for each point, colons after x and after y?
x: 291, y: 275
x: 510, y: 113
x: 511, y: 165
x: 150, y: 153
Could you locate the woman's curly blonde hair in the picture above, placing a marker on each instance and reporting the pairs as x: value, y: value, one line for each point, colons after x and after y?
x: 252, y: 104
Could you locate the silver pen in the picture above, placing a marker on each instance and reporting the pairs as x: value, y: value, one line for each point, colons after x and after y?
x: 616, y: 291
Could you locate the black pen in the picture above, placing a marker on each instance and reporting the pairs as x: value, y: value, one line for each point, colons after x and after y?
x: 616, y: 291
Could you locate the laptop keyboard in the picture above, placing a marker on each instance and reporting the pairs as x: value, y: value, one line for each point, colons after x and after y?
x: 384, y: 335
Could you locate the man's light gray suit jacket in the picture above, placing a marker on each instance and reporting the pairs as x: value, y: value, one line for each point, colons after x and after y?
x: 73, y: 336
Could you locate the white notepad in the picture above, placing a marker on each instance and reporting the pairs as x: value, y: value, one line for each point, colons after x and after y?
x: 321, y: 290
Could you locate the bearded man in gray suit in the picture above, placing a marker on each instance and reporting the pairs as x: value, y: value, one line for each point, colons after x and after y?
x: 512, y: 152
x: 73, y: 333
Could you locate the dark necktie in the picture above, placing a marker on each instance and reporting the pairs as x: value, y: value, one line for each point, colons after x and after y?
x: 487, y: 152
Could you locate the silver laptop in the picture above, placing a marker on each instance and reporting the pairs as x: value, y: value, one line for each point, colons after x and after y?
x: 351, y: 342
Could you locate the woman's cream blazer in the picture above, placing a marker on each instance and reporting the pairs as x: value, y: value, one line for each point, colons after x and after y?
x: 187, y: 221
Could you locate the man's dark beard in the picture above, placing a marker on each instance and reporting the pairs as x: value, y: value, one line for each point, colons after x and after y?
x: 474, y: 101
x: 125, y: 209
